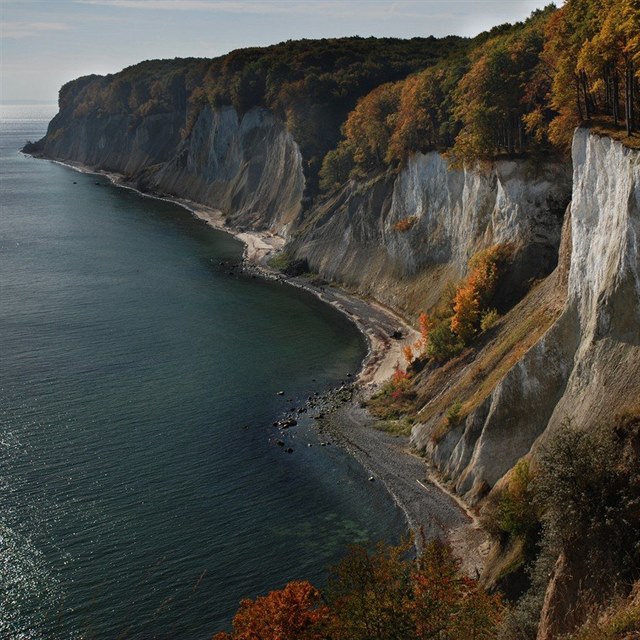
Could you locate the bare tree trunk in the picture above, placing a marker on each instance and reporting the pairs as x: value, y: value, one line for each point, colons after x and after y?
x: 616, y: 98
x: 585, y: 93
x: 632, y: 97
x: 578, y: 99
x: 521, y: 134
x: 628, y: 111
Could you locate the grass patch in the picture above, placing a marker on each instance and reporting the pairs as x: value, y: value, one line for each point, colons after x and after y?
x: 399, y: 427
x: 281, y: 261
x: 288, y: 263
x: 474, y: 374
x: 395, y: 400
x: 621, y: 622
x: 605, y: 127
x: 508, y: 350
x: 453, y: 417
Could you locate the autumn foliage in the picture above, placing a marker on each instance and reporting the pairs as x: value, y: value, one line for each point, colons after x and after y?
x: 475, y: 293
x: 376, y: 595
x: 293, y: 613
x: 460, y: 318
x: 516, y: 89
x: 405, y: 224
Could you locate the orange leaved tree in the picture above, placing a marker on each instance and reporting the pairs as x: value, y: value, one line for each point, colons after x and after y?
x: 293, y: 613
x: 475, y: 293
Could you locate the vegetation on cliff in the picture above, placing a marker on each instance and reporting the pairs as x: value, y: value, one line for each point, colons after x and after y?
x: 515, y: 89
x: 311, y: 84
x: 376, y: 595
x: 522, y: 89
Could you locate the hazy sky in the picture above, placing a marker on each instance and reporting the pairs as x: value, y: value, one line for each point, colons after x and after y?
x: 45, y: 43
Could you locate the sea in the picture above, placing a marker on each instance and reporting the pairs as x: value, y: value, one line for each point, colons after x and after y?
x: 143, y: 492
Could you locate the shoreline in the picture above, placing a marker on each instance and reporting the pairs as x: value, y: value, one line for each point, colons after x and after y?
x: 429, y: 508
x: 375, y: 322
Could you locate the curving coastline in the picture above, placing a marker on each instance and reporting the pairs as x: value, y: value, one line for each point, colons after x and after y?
x: 429, y: 508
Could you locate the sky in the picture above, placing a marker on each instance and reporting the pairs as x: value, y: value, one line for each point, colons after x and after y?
x: 45, y: 43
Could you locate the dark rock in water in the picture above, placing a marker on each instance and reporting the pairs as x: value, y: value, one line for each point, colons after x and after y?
x: 276, y: 424
x: 348, y: 375
x: 302, y: 410
x: 280, y: 393
x: 289, y: 450
x: 74, y: 182
x: 280, y: 443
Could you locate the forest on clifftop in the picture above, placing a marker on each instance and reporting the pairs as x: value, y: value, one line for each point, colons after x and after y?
x: 361, y: 105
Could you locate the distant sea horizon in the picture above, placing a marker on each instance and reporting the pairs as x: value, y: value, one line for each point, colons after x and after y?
x: 144, y: 490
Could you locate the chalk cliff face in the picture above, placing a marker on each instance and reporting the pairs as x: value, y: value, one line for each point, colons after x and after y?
x: 403, y: 239
x: 249, y: 167
x: 586, y: 367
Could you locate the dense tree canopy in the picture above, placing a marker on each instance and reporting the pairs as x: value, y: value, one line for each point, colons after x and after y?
x: 362, y: 105
x: 516, y: 89
x: 376, y: 595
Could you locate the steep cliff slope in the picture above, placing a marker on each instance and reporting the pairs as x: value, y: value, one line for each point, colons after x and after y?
x: 249, y: 167
x: 402, y: 239
x: 569, y: 351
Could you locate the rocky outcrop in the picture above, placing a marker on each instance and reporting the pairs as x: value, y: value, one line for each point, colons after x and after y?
x: 401, y: 239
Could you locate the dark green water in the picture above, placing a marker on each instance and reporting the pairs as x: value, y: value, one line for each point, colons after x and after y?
x: 141, y: 491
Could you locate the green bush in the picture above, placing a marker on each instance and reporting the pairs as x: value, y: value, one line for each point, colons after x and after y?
x: 443, y: 344
x: 488, y: 319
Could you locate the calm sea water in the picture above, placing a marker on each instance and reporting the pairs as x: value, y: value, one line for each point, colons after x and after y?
x: 141, y: 491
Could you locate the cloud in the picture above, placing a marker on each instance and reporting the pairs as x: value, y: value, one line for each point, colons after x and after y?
x: 191, y: 5
x: 327, y: 8
x: 17, y: 30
